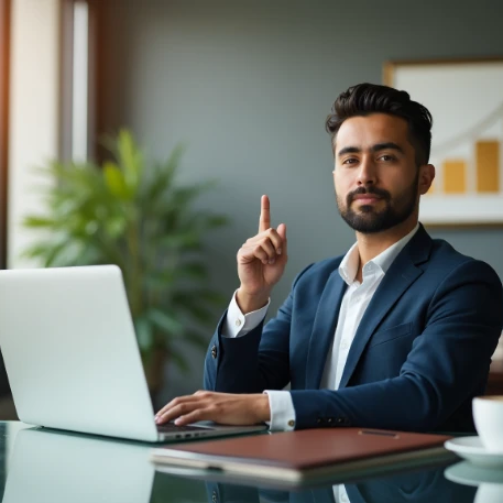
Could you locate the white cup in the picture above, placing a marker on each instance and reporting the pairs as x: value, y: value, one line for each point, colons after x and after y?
x: 489, y: 493
x: 488, y: 418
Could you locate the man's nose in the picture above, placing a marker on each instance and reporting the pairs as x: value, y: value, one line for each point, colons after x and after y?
x: 367, y: 174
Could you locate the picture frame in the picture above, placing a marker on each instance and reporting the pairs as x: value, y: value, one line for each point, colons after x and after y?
x: 465, y: 98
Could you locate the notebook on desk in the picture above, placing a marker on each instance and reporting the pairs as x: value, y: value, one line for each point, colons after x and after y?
x: 300, y: 455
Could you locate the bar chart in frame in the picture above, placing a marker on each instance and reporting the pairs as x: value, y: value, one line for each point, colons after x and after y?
x: 466, y: 102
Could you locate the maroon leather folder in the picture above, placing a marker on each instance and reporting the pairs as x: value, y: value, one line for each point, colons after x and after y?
x: 297, y: 455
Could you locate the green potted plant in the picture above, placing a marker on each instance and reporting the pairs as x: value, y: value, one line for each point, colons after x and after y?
x: 138, y: 217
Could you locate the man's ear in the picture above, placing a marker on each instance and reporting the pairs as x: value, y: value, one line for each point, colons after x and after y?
x: 426, y: 177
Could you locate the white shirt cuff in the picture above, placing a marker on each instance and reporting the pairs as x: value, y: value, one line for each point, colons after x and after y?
x: 340, y: 494
x: 282, y: 411
x: 238, y: 324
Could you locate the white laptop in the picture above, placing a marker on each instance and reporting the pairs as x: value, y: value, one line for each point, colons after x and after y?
x: 72, y: 359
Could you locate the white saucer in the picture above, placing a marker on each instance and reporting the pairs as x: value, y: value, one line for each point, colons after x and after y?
x: 472, y: 475
x: 471, y: 448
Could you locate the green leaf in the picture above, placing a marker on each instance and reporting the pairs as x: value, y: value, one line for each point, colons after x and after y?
x: 53, y: 254
x: 37, y: 250
x: 189, y: 239
x: 115, y: 181
x: 36, y: 222
x: 158, y: 281
x: 164, y: 321
x: 130, y: 158
x: 144, y: 333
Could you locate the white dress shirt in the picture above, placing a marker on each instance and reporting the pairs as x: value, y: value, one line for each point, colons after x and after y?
x: 354, y: 303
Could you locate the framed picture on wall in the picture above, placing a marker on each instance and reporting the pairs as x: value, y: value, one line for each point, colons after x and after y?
x: 465, y: 98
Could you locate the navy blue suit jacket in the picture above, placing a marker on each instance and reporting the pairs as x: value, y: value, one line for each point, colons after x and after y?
x: 421, y: 352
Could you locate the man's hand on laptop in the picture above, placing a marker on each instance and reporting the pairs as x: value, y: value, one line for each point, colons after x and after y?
x: 222, y: 408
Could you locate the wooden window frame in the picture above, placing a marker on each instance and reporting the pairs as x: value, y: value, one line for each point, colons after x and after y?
x: 5, y: 47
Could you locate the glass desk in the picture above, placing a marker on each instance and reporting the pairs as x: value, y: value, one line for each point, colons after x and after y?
x: 39, y: 466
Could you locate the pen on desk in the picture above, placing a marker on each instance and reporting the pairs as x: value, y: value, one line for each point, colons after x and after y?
x: 379, y: 432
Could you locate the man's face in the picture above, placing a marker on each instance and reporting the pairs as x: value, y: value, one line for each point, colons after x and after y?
x: 377, y: 180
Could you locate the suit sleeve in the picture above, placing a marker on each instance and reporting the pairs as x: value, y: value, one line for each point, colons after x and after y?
x: 444, y: 368
x: 258, y: 361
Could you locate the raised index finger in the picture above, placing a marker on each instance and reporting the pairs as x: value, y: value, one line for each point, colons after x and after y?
x: 265, y: 214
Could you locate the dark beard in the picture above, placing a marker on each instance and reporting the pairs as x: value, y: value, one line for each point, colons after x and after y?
x: 369, y: 221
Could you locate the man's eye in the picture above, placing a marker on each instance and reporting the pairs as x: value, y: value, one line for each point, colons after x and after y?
x: 351, y: 160
x: 387, y: 158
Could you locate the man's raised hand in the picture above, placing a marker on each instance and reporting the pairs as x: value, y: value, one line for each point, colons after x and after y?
x: 261, y: 261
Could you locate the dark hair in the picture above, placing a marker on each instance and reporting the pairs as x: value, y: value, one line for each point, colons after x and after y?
x: 366, y: 99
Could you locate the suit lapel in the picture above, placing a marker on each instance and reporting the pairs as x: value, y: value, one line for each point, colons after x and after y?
x: 400, y: 276
x: 324, y: 329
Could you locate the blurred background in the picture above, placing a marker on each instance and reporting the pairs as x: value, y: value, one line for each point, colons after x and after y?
x: 244, y: 84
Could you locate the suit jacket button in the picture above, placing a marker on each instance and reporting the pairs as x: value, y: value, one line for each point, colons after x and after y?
x: 214, y: 352
x: 214, y: 497
x: 329, y: 420
x: 339, y: 420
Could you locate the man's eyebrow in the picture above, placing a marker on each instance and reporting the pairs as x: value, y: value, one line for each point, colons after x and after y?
x: 349, y: 150
x: 387, y: 146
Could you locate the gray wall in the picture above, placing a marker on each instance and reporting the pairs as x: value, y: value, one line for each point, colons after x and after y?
x: 248, y: 84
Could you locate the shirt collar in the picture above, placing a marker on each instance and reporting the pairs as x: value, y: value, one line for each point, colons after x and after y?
x: 349, y: 264
x: 348, y: 267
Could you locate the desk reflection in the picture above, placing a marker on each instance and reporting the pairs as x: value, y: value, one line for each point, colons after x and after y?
x: 427, y: 486
x: 46, y: 466
x: 487, y: 480
x: 58, y: 467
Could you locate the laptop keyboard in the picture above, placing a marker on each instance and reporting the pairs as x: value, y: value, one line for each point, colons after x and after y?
x: 173, y: 428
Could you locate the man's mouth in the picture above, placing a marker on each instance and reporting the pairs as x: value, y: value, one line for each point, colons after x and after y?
x: 366, y: 198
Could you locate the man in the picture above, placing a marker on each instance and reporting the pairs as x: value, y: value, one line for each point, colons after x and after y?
x: 397, y: 334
